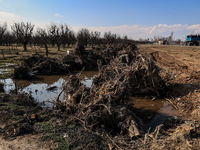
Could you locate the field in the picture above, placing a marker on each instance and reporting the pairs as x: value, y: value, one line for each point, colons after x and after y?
x: 179, y: 64
x: 180, y: 55
x: 179, y: 68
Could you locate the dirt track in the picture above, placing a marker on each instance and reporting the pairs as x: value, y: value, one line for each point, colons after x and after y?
x: 182, y: 55
x: 180, y: 66
x: 181, y: 63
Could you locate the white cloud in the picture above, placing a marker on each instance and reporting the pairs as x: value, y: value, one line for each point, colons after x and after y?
x: 138, y: 31
x: 58, y: 15
x: 9, y: 18
x: 134, y: 31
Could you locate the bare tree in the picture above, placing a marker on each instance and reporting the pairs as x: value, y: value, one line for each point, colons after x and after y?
x: 3, y: 29
x: 23, y: 32
x: 64, y: 34
x: 43, y: 35
x: 71, y: 38
x: 83, y: 36
x: 95, y: 37
x: 110, y: 37
x: 9, y: 38
x: 56, y: 34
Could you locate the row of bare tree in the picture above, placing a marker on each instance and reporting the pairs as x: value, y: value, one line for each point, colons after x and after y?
x: 55, y: 35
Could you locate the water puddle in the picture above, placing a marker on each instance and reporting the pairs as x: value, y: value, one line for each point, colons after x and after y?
x: 39, y: 87
x: 153, y: 112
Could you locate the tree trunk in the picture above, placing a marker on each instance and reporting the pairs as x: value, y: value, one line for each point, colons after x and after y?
x: 25, y: 46
x: 58, y: 45
x: 47, y: 52
x: 68, y: 44
x: 2, y: 51
x: 64, y: 45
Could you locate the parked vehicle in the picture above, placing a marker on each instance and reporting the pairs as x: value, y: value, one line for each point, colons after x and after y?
x: 193, y: 40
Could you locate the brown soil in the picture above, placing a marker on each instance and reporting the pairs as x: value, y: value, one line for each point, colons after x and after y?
x: 181, y: 68
x: 26, y: 142
x: 182, y: 61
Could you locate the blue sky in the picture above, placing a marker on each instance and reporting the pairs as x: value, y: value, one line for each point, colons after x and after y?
x: 136, y: 18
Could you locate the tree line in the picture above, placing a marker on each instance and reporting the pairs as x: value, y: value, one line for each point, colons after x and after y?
x: 55, y: 36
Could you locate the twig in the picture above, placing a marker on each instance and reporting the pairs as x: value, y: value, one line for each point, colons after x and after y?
x: 172, y: 103
x: 113, y: 142
x: 78, y: 75
x: 158, y: 130
x: 146, y: 135
x: 57, y: 99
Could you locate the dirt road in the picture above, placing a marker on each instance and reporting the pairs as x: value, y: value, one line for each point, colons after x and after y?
x: 184, y: 55
x: 181, y: 62
x: 180, y: 67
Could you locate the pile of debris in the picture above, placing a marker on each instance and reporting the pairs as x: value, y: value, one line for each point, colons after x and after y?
x: 105, y: 106
x: 75, y: 61
x: 123, y: 72
x: 38, y: 64
x: 138, y: 71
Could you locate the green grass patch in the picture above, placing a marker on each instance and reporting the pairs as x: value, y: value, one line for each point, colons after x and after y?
x: 46, y: 127
x: 50, y: 133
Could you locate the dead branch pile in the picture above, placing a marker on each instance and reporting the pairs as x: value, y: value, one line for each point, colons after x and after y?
x: 108, y: 53
x: 22, y: 72
x: 49, y: 66
x: 104, y: 106
x: 38, y: 64
x: 81, y: 58
x: 139, y: 72
x: 88, y: 58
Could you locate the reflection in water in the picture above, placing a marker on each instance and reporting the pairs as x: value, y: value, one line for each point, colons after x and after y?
x: 163, y: 113
x: 38, y: 87
x: 158, y: 110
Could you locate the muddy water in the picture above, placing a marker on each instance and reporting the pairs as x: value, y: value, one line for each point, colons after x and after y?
x: 38, y: 87
x: 154, y: 112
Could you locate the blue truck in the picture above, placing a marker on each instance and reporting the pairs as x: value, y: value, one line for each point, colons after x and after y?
x: 193, y: 40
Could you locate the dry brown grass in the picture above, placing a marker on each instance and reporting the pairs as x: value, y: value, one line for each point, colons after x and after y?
x: 14, y: 53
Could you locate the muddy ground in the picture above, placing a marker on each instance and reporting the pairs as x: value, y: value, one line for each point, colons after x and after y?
x: 180, y: 68
x: 44, y: 129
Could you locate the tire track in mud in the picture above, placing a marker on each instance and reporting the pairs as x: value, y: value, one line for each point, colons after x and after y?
x: 173, y: 68
x: 164, y: 56
x: 184, y: 55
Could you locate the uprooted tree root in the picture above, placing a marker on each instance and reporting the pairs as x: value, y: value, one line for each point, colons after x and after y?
x: 104, y: 108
